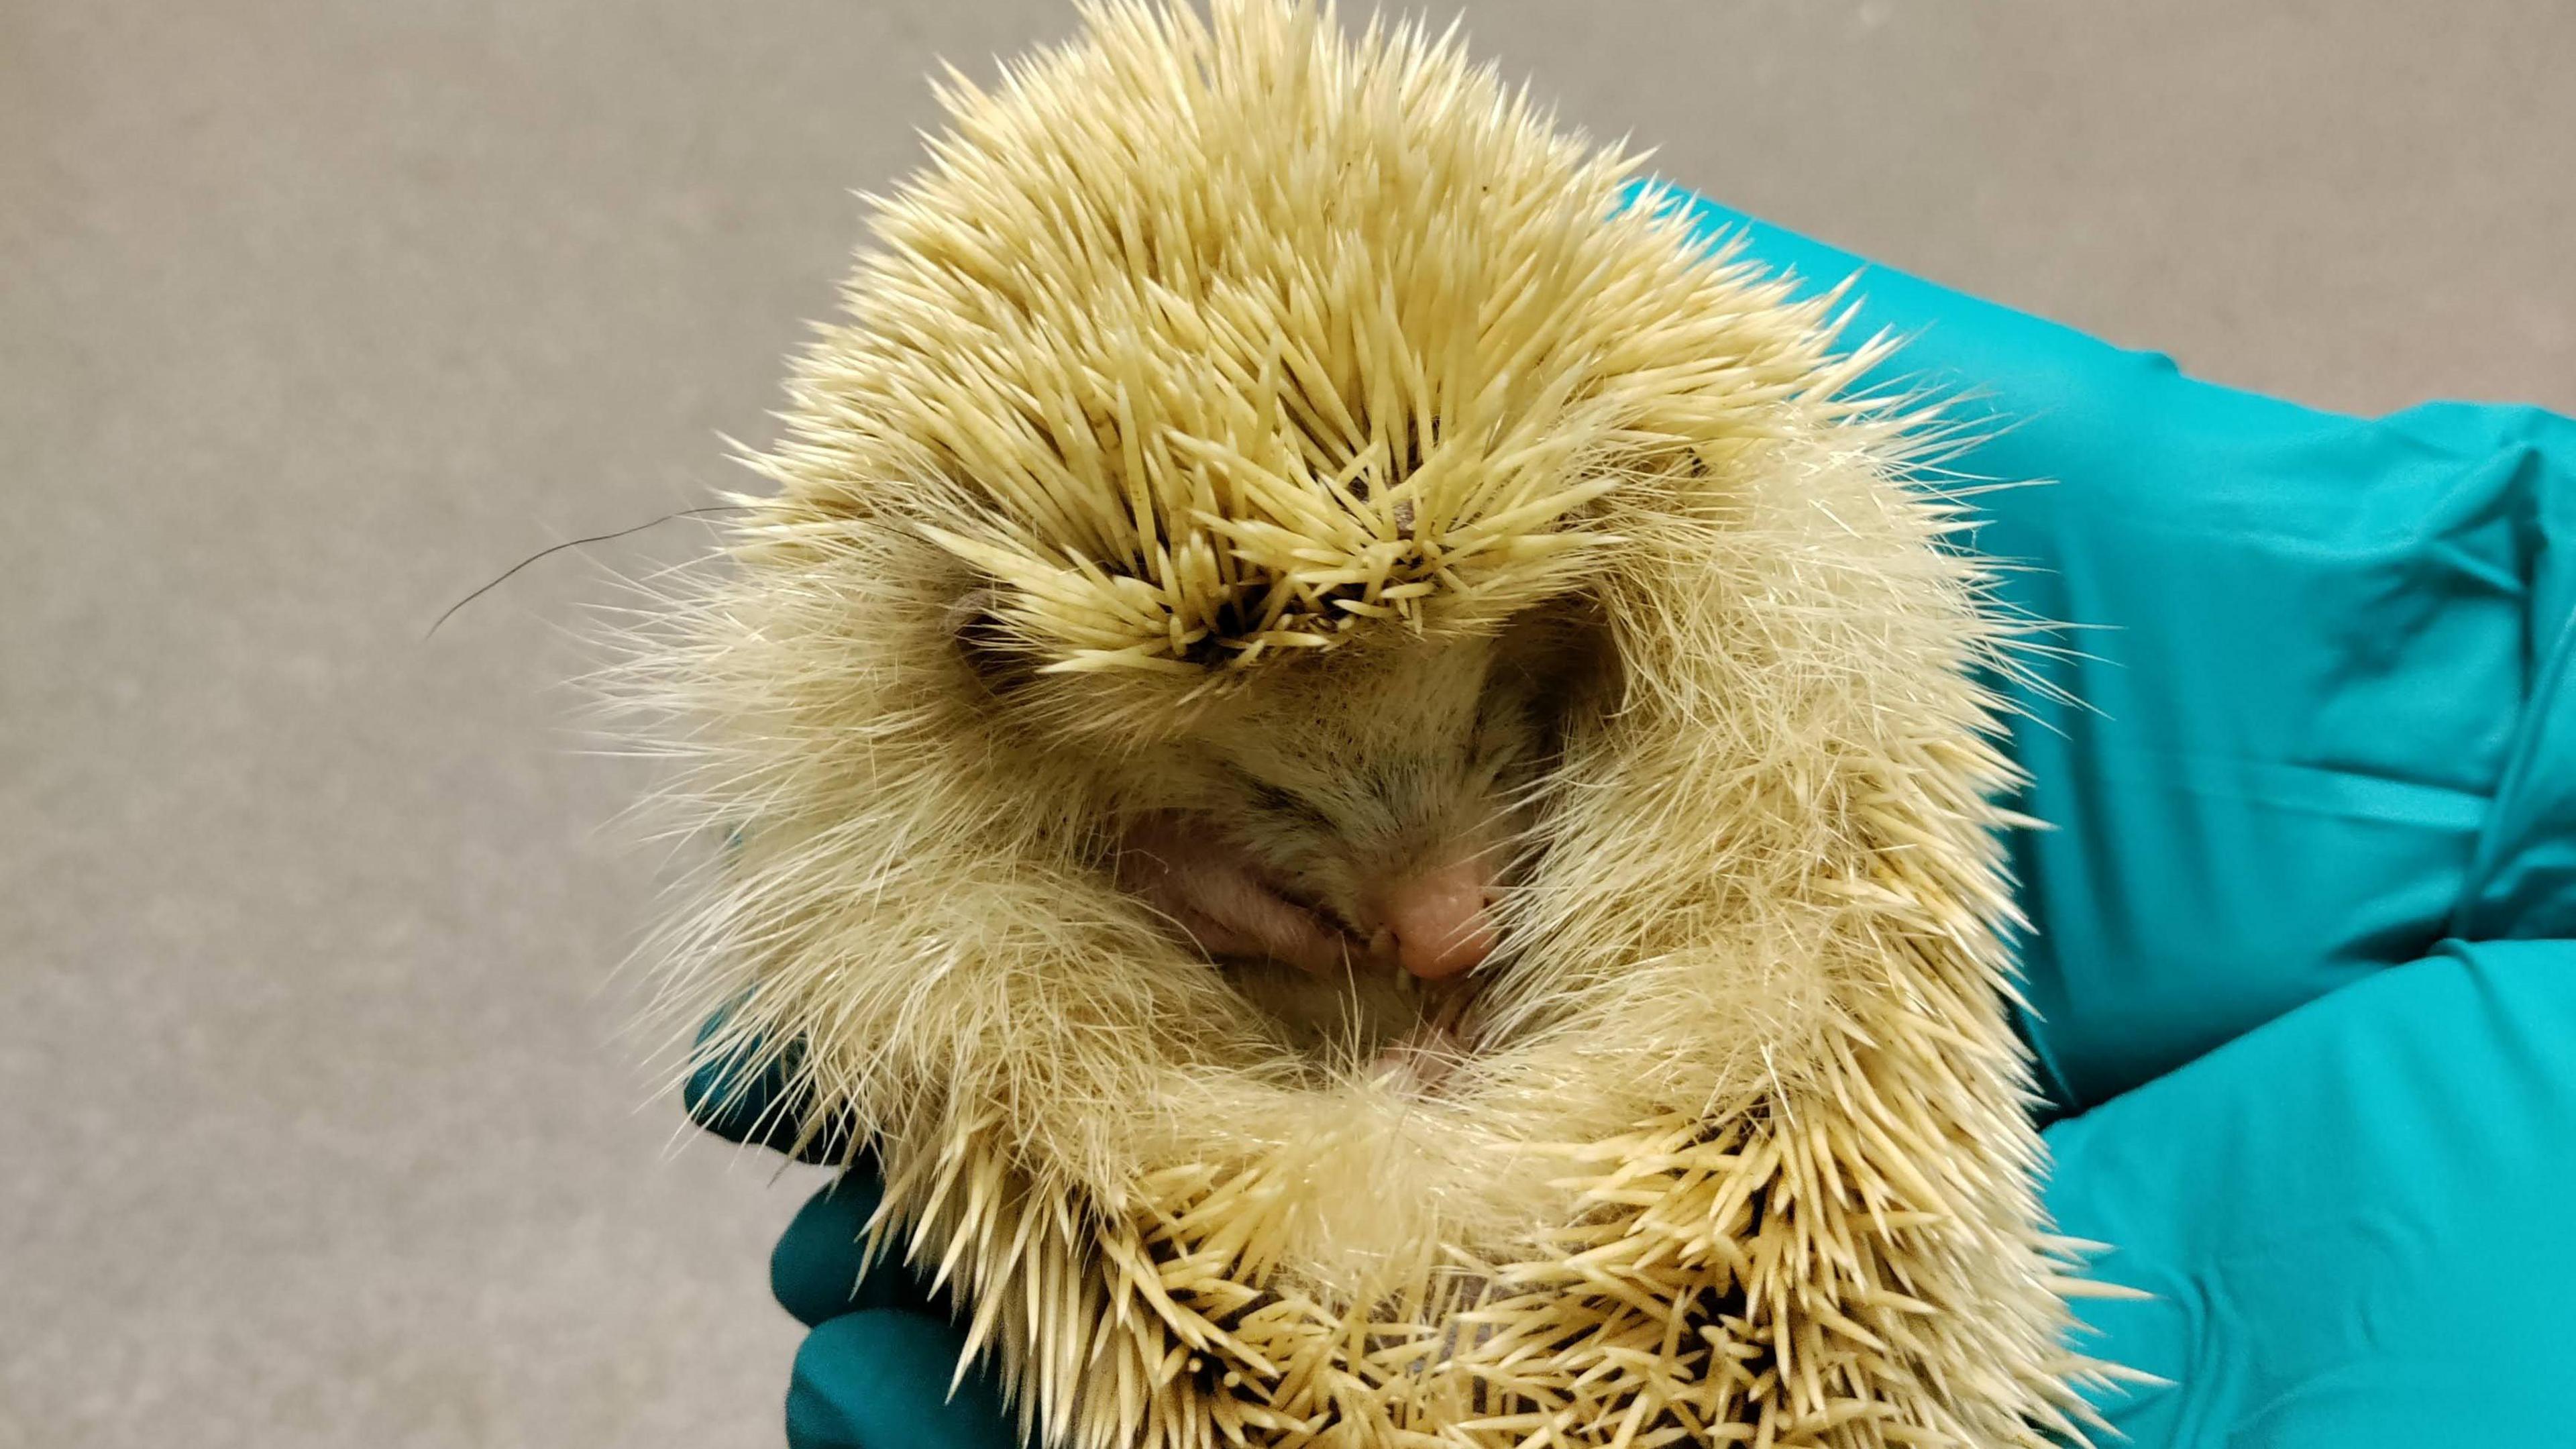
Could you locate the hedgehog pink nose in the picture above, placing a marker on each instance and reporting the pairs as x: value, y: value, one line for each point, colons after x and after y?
x: 1439, y: 919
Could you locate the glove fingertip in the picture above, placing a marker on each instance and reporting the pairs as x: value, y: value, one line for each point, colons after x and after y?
x: 879, y: 1380
x: 733, y: 1094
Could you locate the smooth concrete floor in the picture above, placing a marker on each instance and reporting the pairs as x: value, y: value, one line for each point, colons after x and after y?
x: 317, y: 1127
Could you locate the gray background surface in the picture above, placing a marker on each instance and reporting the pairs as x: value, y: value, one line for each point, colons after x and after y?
x: 315, y: 1123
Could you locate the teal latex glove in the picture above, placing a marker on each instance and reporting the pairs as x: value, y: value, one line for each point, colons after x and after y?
x: 2331, y: 730
x: 2326, y: 719
x: 2353, y: 1219
x: 875, y: 1371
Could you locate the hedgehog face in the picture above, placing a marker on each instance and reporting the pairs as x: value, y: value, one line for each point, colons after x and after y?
x: 1365, y: 807
x: 1376, y: 793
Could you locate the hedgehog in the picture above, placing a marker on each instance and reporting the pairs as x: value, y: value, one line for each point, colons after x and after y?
x: 1367, y: 767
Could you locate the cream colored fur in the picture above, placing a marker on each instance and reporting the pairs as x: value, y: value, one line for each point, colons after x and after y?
x: 1245, y: 372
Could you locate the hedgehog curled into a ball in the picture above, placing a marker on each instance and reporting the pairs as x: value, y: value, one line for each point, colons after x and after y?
x: 1353, y: 756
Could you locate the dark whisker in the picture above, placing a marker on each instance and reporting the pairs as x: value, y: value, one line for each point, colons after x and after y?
x: 574, y: 543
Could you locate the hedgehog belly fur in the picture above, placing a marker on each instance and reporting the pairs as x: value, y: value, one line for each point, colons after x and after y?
x: 1217, y: 362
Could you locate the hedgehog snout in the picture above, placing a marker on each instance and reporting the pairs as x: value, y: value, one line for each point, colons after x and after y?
x: 1441, y: 919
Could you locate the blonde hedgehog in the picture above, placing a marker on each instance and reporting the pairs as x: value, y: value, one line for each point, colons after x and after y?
x: 1364, y: 771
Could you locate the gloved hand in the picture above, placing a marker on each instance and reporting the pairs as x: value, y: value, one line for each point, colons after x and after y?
x: 2324, y: 772
x: 2303, y: 960
x: 875, y: 1372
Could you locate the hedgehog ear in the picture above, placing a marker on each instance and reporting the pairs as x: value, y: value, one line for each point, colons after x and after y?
x: 986, y: 643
